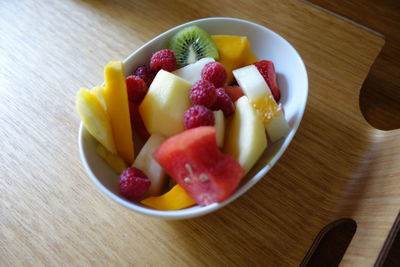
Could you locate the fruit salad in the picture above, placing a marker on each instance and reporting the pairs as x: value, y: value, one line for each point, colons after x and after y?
x: 200, y: 113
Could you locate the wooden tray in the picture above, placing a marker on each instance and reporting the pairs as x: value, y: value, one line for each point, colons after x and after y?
x: 337, y: 166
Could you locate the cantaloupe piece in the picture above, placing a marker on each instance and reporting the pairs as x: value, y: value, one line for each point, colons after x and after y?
x: 233, y: 52
x: 250, y: 58
x: 116, y: 98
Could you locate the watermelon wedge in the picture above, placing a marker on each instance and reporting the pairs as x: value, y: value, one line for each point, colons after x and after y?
x: 194, y: 160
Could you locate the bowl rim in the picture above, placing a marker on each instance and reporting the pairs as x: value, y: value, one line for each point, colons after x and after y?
x: 189, y: 212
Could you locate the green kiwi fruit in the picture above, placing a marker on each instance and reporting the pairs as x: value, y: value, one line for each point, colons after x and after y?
x: 191, y: 44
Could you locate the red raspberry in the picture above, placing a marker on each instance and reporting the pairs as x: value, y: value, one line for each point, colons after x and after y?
x: 198, y: 116
x: 163, y: 59
x: 267, y: 70
x: 224, y: 102
x: 136, y: 87
x: 215, y: 73
x: 146, y: 74
x: 203, y: 93
x: 133, y: 184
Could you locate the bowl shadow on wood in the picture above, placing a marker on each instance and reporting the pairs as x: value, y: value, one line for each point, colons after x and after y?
x: 334, y: 163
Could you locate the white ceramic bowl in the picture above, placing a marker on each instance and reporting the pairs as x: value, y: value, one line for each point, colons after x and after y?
x: 293, y: 82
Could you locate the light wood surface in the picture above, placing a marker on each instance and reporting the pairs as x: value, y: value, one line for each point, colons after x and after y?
x: 51, y: 213
x: 380, y: 93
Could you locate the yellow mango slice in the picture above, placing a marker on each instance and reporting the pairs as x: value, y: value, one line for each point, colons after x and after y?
x: 95, y: 118
x: 114, y: 161
x: 174, y: 199
x: 116, y: 98
x: 233, y: 52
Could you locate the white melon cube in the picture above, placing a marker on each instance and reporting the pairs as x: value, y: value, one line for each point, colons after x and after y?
x: 192, y: 72
x: 278, y: 127
x: 252, y: 82
x: 145, y: 162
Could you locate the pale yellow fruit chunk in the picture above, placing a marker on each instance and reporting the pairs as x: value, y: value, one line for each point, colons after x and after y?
x: 98, y: 91
x: 219, y: 127
x: 260, y: 96
x: 192, y: 72
x: 147, y: 164
x: 116, y: 98
x: 95, y: 118
x: 245, y: 138
x: 165, y: 103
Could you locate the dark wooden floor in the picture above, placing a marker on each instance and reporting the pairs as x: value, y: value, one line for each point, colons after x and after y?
x: 380, y: 95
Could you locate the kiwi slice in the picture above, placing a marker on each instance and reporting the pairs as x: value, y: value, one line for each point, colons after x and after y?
x: 191, y: 44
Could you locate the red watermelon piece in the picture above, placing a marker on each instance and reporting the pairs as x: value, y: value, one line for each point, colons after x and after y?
x: 194, y: 160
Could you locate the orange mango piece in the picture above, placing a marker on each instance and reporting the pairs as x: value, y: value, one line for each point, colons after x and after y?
x: 234, y: 52
x: 174, y: 199
x: 250, y: 58
x: 116, y: 98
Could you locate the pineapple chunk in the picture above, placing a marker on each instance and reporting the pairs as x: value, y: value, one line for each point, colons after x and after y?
x: 165, y: 103
x: 116, y: 98
x: 145, y: 162
x: 95, y: 118
x: 245, y: 138
x: 98, y: 91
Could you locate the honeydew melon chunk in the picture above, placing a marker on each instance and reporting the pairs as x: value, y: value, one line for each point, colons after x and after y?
x: 219, y: 127
x: 192, y: 72
x: 165, y: 103
x: 261, y: 98
x: 145, y: 162
x: 245, y: 138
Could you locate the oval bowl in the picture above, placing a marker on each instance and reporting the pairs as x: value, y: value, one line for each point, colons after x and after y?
x: 265, y: 44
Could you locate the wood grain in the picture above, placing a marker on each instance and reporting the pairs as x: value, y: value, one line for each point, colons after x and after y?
x: 380, y: 93
x: 51, y: 214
